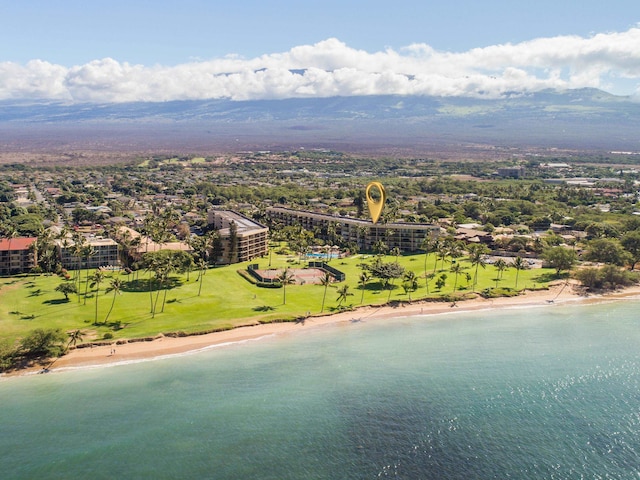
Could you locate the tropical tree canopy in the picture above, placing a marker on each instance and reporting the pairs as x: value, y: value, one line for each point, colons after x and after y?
x: 607, y: 250
x: 385, y: 271
x: 67, y: 288
x: 560, y: 258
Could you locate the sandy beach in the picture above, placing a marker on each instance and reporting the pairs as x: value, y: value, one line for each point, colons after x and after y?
x: 557, y: 294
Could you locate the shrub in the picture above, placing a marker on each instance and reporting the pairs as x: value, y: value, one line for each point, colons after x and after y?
x: 499, y: 292
x: 247, y: 276
x: 608, y: 277
x: 43, y: 343
x: 7, y: 355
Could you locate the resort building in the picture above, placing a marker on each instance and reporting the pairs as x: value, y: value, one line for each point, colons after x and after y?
x: 241, y: 238
x: 16, y: 255
x: 100, y: 252
x: 512, y: 172
x: 406, y: 236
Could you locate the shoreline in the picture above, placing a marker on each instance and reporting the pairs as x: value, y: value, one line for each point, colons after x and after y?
x: 163, y: 347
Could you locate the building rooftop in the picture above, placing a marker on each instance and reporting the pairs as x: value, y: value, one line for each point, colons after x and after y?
x: 19, y: 243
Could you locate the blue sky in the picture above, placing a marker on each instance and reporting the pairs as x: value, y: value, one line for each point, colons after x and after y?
x: 67, y: 49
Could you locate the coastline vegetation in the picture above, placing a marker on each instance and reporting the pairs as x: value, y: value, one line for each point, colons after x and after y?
x: 227, y: 299
x: 569, y: 211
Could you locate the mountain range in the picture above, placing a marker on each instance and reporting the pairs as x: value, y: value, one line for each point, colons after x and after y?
x: 584, y: 119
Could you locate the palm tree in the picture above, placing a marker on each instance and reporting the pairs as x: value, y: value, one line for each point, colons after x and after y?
x: 148, y: 228
x: 151, y: 264
x: 41, y: 250
x: 457, y: 269
x: 96, y: 280
x: 87, y: 251
x: 161, y: 274
x: 202, y: 265
x: 388, y: 233
x: 362, y: 281
x: 519, y: 264
x: 395, y: 251
x: 501, y: 266
x: 116, y: 287
x: 380, y: 248
x: 75, y: 336
x: 76, y: 251
x: 410, y: 283
x: 428, y: 244
x: 427, y: 277
x: 343, y: 293
x: 332, y: 232
x: 184, y: 263
x: 325, y: 281
x: 362, y: 236
x: 188, y: 239
x: 129, y: 245
x: 476, y: 257
x: 12, y: 232
x: 455, y: 249
x: 168, y: 266
x: 443, y: 251
x: 285, y: 278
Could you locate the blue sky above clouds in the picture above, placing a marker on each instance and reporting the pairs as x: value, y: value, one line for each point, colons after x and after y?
x: 116, y: 51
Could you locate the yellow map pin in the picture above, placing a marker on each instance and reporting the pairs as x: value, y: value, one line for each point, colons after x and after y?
x: 375, y: 206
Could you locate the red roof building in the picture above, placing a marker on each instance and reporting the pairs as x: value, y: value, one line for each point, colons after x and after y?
x: 16, y: 255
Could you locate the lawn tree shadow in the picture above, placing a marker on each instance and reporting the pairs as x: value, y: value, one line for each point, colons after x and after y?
x: 138, y: 285
x: 376, y: 286
x: 116, y: 325
x: 264, y: 308
x: 56, y: 301
x: 549, y: 277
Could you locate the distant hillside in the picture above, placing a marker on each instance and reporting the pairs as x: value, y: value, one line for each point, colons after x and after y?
x: 582, y: 119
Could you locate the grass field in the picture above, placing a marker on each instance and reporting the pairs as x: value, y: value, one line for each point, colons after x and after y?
x: 226, y: 300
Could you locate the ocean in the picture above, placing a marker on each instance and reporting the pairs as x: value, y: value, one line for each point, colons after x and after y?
x: 524, y: 393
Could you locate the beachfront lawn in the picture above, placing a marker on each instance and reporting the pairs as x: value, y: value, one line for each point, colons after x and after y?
x: 226, y: 300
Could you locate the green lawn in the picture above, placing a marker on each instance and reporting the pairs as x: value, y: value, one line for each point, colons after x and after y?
x: 227, y: 299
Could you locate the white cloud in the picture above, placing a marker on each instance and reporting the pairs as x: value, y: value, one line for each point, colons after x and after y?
x: 331, y: 68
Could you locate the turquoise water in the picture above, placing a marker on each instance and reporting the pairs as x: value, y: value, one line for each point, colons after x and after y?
x: 550, y: 392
